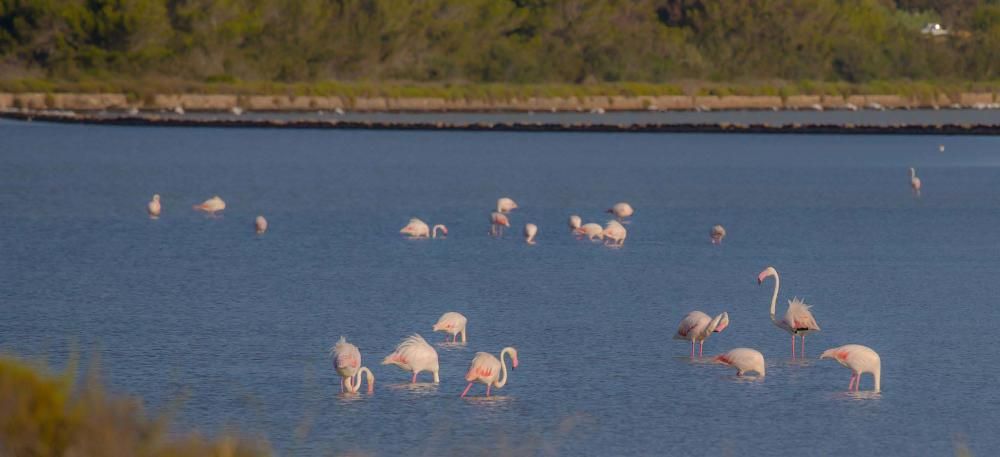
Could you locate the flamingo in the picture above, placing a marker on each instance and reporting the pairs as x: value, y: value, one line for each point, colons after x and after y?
x: 154, y: 207
x: 744, y: 359
x: 575, y: 222
x: 487, y: 369
x: 697, y: 326
x: 621, y: 210
x: 442, y: 228
x: 718, y: 233
x: 212, y: 205
x: 530, y: 230
x: 452, y: 323
x: 914, y: 181
x: 414, y: 354
x: 347, y: 362
x: 416, y: 228
x: 860, y: 359
x: 498, y: 221
x: 615, y: 232
x: 940, y: 148
x: 591, y: 231
x: 798, y: 319
x: 261, y: 224
x: 505, y: 205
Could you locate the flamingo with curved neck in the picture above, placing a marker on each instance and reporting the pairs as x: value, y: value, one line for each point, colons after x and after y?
x: 798, y: 320
x: 444, y: 231
x: 353, y: 384
x: 489, y: 370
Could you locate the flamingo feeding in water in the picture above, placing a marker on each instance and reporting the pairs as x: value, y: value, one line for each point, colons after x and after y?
x: 914, y: 181
x: 452, y: 323
x: 621, y: 210
x: 153, y: 207
x: 417, y: 228
x: 498, y: 221
x: 212, y: 205
x: 530, y: 230
x: 697, y: 326
x: 487, y: 369
x: 718, y: 233
x: 860, y: 359
x: 798, y: 319
x: 505, y: 205
x: 347, y: 362
x: 591, y: 231
x: 415, y: 355
x: 575, y: 222
x: 615, y: 232
x: 744, y: 360
x: 260, y: 224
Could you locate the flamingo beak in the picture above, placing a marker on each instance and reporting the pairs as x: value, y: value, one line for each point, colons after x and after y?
x: 514, y: 364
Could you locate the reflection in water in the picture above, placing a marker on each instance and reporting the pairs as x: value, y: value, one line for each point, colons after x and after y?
x: 422, y: 388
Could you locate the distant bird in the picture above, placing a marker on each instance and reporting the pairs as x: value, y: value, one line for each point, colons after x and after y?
x: 914, y: 181
x: 414, y: 355
x: 498, y: 221
x: 530, y: 230
x: 347, y: 362
x: 697, y: 326
x: 261, y: 224
x: 860, y: 359
x: 179, y: 109
x: 153, y: 207
x: 416, y: 228
x: 487, y: 369
x: 621, y: 210
x: 798, y: 319
x: 505, y: 205
x: 236, y: 110
x: 718, y: 233
x: 591, y: 231
x: 575, y: 222
x: 744, y: 360
x: 212, y: 205
x: 615, y: 232
x: 452, y: 323
x: 940, y: 148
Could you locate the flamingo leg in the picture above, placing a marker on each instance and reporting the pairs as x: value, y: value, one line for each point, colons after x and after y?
x: 414, y: 381
x: 692, y: 349
x: 466, y: 390
x: 802, y: 353
x: 488, y: 390
x: 850, y: 385
x: 793, y: 346
x: 701, y: 345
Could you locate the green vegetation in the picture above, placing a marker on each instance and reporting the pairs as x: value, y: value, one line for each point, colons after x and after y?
x: 44, y: 415
x: 497, y: 48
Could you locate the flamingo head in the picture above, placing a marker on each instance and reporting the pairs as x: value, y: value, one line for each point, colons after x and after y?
x: 769, y: 271
x: 720, y: 323
x: 513, y: 358
x: 444, y: 230
x: 156, y: 197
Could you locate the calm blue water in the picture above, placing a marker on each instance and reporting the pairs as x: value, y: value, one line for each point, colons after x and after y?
x: 236, y: 328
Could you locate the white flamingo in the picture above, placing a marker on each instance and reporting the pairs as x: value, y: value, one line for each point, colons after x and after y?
x: 718, y: 233
x: 744, y: 360
x: 615, y: 232
x: 798, y: 319
x: 212, y: 205
x: 453, y: 324
x: 860, y: 359
x: 505, y: 205
x: 575, y: 222
x: 498, y: 221
x: 621, y: 210
x: 591, y: 231
x: 415, y: 355
x: 153, y: 207
x: 260, y: 224
x: 530, y: 230
x: 347, y: 362
x: 914, y: 182
x: 697, y: 327
x: 487, y: 369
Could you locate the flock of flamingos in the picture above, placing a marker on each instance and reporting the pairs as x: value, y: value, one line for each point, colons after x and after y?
x: 414, y: 354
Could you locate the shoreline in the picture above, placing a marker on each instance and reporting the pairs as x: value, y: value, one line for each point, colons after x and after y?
x: 722, y: 127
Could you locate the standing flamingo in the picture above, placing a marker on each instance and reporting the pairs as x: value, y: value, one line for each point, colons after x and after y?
x: 260, y: 224
x: 615, y: 232
x: 347, y: 362
x: 718, y: 233
x: 744, y: 360
x: 530, y: 230
x: 591, y: 231
x: 212, y: 205
x: 414, y: 354
x: 153, y: 207
x: 798, y: 319
x: 621, y: 210
x: 575, y: 222
x: 498, y: 221
x: 452, y: 323
x: 505, y: 205
x: 914, y: 182
x: 860, y: 359
x: 487, y: 369
x: 697, y: 326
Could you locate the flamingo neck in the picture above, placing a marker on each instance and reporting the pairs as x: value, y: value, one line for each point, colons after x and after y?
x: 434, y: 233
x: 913, y: 173
x: 878, y: 377
x: 503, y: 370
x: 774, y: 297
x: 354, y: 382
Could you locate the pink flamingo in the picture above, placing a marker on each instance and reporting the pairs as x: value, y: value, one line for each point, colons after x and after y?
x: 212, y: 205
x: 452, y: 323
x: 914, y: 181
x: 615, y: 232
x: 621, y: 210
x: 860, y: 359
x: 487, y: 369
x: 718, y: 233
x: 347, y: 362
x: 591, y: 231
x: 505, y: 205
x: 498, y: 221
x: 153, y: 207
x: 415, y: 355
x: 798, y: 319
x: 697, y: 326
x: 417, y: 228
x: 260, y: 224
x: 744, y: 360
